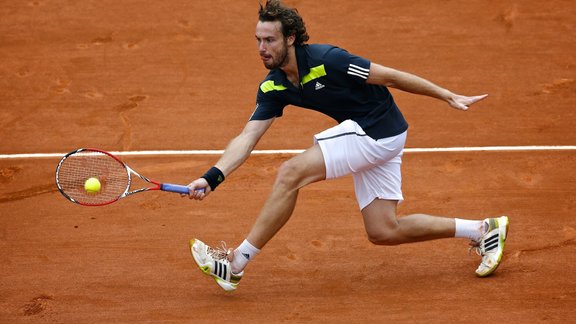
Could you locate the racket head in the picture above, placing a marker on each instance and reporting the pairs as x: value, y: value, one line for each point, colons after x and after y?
x: 78, y: 166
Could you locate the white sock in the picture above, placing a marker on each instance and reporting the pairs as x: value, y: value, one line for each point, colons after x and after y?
x: 242, y: 255
x: 471, y: 229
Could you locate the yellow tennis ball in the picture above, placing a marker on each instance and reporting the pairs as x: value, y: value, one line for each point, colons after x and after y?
x: 92, y: 185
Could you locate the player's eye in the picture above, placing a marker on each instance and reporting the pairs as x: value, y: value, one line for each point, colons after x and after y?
x: 266, y: 41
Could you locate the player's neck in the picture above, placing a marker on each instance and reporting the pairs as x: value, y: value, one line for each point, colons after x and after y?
x: 291, y: 68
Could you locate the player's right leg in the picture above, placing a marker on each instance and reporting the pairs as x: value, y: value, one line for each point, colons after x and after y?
x: 295, y: 173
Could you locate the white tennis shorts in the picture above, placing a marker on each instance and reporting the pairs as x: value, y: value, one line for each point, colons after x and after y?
x: 374, y: 164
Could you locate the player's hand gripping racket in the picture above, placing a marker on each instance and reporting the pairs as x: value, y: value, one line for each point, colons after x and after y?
x: 113, y: 178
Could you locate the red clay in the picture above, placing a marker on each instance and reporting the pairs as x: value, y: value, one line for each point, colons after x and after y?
x: 135, y: 75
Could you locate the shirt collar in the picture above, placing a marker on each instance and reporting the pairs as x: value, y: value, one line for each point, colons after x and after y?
x: 302, y: 61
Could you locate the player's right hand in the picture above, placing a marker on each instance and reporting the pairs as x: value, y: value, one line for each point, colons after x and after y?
x: 198, y: 189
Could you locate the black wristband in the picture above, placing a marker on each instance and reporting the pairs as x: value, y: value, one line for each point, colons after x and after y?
x: 214, y: 177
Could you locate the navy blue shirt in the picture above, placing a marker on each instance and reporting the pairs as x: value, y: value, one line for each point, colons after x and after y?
x: 333, y: 82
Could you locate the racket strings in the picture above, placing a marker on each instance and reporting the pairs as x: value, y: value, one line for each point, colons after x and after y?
x: 79, y: 167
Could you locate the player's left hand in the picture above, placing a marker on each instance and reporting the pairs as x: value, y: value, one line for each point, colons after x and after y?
x: 464, y: 102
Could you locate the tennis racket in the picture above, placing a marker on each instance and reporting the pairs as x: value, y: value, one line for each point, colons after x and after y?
x: 115, y: 178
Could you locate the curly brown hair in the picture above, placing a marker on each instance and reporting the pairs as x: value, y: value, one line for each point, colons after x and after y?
x: 292, y: 23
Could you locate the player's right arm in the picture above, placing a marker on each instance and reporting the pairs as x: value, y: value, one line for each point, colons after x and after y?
x: 235, y: 154
x: 239, y: 149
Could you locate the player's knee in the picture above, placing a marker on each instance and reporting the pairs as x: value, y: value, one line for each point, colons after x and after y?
x: 384, y: 236
x: 289, y: 175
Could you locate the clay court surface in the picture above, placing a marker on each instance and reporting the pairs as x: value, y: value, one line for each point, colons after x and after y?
x: 182, y: 75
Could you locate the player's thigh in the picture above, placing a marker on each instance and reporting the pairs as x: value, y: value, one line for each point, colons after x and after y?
x: 380, y: 216
x: 304, y: 168
x: 382, y: 181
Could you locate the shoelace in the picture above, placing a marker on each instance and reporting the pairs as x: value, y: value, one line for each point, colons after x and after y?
x: 219, y: 253
x: 475, y: 246
x: 477, y: 249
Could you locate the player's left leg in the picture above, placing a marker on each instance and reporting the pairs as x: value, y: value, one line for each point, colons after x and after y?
x: 384, y: 228
x: 378, y: 191
x: 488, y: 236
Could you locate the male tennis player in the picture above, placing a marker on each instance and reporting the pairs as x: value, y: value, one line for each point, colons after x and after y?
x: 368, y: 143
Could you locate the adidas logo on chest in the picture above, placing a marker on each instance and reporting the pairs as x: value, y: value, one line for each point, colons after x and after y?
x: 318, y: 86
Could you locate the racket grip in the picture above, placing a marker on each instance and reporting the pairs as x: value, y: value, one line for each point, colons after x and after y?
x: 176, y: 188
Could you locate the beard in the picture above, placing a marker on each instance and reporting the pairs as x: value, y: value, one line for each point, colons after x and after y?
x: 281, y: 60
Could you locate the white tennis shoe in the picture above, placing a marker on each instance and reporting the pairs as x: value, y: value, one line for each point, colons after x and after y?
x: 491, y: 245
x: 214, y: 262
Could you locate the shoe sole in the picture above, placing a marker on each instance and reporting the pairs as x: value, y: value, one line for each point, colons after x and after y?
x: 502, y: 243
x: 206, y: 270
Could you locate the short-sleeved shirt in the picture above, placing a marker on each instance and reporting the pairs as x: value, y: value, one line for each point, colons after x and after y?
x: 333, y: 82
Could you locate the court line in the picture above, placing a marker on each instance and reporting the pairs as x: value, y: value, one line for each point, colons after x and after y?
x: 263, y: 152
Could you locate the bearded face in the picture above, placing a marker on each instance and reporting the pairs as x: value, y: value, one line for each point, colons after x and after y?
x: 272, y: 45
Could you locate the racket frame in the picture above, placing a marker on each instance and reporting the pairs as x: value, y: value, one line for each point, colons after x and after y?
x: 129, y: 171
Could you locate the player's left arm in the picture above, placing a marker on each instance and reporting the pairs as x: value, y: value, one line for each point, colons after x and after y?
x: 404, y: 81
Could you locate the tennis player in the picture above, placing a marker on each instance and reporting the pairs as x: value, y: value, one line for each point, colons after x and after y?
x: 367, y: 143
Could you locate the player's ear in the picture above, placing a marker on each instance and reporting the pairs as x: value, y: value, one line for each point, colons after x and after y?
x: 291, y: 39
